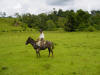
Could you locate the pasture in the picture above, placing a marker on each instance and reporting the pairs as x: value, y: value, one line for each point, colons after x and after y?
x: 75, y: 53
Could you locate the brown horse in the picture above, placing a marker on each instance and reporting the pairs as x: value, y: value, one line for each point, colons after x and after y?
x: 37, y: 48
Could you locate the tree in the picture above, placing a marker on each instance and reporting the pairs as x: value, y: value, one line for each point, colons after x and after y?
x: 94, y: 12
x: 95, y: 21
x: 70, y: 24
x: 17, y: 15
x: 2, y: 14
x: 82, y: 18
x: 53, y: 17
x: 61, y: 22
x: 50, y: 25
x: 42, y: 18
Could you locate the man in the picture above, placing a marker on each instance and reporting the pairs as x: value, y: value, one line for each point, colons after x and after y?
x: 40, y: 41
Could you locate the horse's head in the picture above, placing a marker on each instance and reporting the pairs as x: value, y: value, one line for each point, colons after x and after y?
x: 29, y: 40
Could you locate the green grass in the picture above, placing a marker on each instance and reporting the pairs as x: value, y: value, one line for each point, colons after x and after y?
x: 75, y: 53
x: 7, y: 24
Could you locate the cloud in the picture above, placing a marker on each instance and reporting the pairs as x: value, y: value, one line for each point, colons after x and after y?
x: 59, y: 2
x: 87, y: 4
x: 21, y: 6
x: 40, y: 6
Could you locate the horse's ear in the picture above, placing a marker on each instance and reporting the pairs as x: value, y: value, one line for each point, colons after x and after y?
x: 29, y: 37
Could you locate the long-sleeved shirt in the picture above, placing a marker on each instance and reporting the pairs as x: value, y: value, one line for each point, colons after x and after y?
x: 41, y: 35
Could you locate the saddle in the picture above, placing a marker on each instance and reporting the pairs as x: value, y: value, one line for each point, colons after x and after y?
x: 41, y: 43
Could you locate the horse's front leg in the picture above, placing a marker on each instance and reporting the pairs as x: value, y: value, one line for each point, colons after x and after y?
x: 38, y: 52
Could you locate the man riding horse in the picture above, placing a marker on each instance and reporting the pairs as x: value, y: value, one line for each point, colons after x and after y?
x: 41, y: 44
x: 40, y: 40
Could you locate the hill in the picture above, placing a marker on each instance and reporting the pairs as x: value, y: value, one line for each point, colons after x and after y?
x: 10, y: 24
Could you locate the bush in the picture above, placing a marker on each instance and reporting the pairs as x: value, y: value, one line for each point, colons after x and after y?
x: 91, y: 29
x: 50, y: 25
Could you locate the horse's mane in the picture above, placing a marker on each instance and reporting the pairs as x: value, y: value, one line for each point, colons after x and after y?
x: 31, y: 39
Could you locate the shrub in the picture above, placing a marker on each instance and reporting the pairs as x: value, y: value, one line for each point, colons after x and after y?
x: 50, y: 25
x: 91, y: 29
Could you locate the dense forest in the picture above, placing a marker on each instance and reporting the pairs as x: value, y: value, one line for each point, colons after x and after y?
x: 68, y: 20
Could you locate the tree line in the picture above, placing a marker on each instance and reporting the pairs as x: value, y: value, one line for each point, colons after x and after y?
x: 68, y: 20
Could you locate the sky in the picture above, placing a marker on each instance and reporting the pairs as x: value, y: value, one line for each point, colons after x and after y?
x: 45, y: 6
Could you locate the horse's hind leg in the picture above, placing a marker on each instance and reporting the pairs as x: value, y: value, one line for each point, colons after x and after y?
x: 52, y: 52
x: 39, y: 54
x: 49, y: 52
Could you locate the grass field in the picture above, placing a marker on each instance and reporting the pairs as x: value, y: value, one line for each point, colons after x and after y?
x: 75, y: 53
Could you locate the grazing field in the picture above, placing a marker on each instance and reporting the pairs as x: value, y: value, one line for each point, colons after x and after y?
x: 75, y: 53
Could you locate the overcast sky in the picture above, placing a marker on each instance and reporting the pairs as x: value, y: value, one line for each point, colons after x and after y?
x: 41, y: 6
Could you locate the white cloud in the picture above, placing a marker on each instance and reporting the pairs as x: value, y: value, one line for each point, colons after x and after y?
x: 87, y: 4
x: 59, y: 2
x: 38, y: 6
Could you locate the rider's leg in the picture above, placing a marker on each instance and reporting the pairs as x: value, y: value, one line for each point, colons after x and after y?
x: 42, y: 42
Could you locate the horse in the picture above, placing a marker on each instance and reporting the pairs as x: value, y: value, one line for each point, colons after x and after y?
x: 48, y: 45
